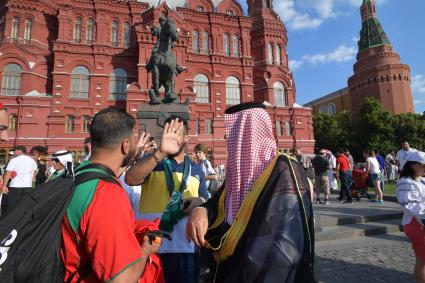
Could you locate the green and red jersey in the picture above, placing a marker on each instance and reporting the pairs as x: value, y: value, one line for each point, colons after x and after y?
x: 98, y: 232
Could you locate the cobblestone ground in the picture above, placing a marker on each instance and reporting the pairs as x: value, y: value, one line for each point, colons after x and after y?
x: 384, y: 258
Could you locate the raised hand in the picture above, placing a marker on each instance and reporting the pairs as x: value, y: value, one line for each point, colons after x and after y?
x: 171, y: 141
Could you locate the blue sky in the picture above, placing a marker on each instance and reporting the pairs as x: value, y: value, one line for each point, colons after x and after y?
x: 323, y: 38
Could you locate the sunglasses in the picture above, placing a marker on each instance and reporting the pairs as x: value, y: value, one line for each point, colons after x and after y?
x: 55, y: 160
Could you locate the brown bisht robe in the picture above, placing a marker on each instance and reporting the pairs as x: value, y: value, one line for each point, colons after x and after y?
x: 277, y: 245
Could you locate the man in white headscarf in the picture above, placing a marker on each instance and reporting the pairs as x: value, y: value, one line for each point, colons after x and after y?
x: 61, y: 160
x: 259, y: 225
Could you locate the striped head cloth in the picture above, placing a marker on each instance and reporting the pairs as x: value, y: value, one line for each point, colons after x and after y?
x: 251, y: 146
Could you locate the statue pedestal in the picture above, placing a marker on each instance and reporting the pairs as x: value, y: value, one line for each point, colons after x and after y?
x: 151, y: 118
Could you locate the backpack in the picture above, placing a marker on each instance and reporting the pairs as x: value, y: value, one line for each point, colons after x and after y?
x: 30, y: 233
x: 214, y: 185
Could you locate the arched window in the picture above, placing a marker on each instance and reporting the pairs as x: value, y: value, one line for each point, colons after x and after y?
x: 235, y: 46
x: 279, y: 94
x: 206, y: 42
x: 226, y: 44
x: 14, y: 33
x: 195, y: 42
x: 11, y: 84
x: 77, y: 30
x: 80, y: 82
x: 270, y: 54
x: 28, y: 31
x: 201, y: 89
x: 90, y: 31
x: 278, y: 55
x: 233, y: 91
x: 323, y: 109
x: 118, y: 84
x: 126, y: 36
x: 114, y: 34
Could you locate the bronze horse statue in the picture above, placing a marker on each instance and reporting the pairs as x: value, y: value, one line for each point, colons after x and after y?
x: 163, y: 63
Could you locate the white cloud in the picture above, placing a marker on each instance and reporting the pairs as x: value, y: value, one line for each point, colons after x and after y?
x: 295, y: 64
x: 310, y: 14
x: 341, y: 54
x: 418, y: 84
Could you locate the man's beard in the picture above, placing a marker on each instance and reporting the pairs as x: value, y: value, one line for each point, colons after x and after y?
x: 182, y: 147
x: 128, y: 158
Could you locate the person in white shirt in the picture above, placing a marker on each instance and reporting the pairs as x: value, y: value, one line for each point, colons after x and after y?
x: 411, y: 196
x: 403, y: 154
x: 372, y: 167
x: 201, y: 151
x: 21, y: 171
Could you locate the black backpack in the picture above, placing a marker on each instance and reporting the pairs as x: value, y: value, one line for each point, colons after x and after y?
x: 30, y: 233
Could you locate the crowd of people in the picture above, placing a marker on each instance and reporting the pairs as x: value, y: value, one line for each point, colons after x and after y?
x: 231, y: 225
x: 228, y: 229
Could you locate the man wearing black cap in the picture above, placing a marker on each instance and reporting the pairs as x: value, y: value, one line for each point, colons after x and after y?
x: 20, y: 171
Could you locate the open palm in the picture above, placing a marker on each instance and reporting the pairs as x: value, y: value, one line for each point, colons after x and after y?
x: 170, y: 142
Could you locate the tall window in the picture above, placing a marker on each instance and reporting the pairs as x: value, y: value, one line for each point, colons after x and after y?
x: 279, y: 94
x: 233, y: 91
x: 77, y: 30
x: 197, y: 127
x: 90, y: 31
x: 28, y: 30
x: 11, y: 84
x: 235, y: 46
x: 15, y: 29
x: 206, y: 42
x: 226, y: 44
x: 85, y: 124
x: 114, y: 34
x: 201, y: 89
x: 118, y: 84
x: 195, y: 42
x: 80, y: 82
x: 13, y: 122
x: 278, y: 55
x: 278, y: 128
x: 70, y: 124
x: 208, y: 127
x: 126, y: 35
x: 270, y: 53
x: 288, y: 129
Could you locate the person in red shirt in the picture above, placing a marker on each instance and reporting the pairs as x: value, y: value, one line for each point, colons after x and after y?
x: 343, y: 168
x: 98, y: 231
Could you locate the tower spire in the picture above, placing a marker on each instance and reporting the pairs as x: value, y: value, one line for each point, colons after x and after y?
x: 372, y: 33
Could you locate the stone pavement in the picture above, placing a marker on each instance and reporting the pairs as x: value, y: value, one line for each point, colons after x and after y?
x: 385, y: 258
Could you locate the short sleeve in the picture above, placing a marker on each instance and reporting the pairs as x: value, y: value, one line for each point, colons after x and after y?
x: 210, y: 169
x: 11, y: 165
x: 35, y: 167
x: 107, y: 227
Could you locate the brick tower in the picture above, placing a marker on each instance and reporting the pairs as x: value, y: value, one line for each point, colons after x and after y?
x: 268, y: 48
x: 378, y: 72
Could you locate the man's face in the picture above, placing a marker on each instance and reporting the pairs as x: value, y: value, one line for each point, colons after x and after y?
x: 18, y: 152
x: 4, y: 124
x: 405, y: 146
x: 128, y: 158
x: 161, y: 21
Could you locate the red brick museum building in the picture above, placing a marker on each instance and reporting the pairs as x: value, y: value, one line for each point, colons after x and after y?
x: 62, y: 61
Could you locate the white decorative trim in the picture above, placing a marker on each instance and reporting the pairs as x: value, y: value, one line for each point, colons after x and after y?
x: 32, y: 64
